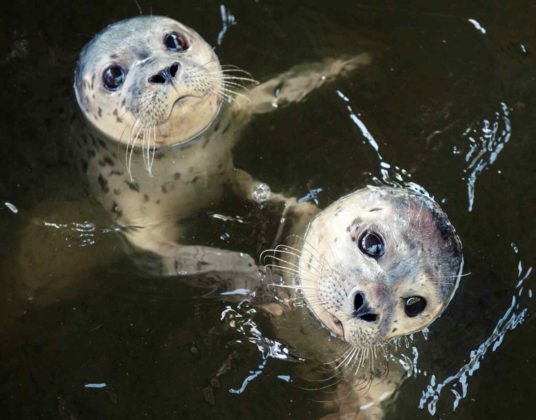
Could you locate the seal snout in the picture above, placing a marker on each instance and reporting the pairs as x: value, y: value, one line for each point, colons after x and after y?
x: 361, y: 308
x: 165, y: 75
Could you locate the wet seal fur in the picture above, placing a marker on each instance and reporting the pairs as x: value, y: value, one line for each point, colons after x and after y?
x: 157, y: 149
x: 368, y: 291
x: 422, y: 257
x: 163, y: 117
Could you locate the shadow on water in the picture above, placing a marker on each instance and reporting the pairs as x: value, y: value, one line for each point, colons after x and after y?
x: 447, y: 104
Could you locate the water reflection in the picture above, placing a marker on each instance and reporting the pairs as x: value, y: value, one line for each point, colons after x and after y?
x: 86, y: 232
x: 445, y: 72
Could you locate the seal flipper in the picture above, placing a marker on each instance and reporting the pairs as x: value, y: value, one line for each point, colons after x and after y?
x: 296, y: 83
x: 295, y: 215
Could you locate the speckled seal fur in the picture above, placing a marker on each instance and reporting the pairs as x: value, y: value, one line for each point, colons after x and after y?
x: 161, y: 126
x: 367, y: 291
x: 364, y: 298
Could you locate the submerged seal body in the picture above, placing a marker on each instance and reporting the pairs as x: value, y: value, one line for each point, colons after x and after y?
x: 376, y: 265
x: 162, y: 119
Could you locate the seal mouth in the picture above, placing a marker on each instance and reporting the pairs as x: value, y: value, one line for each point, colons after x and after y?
x: 181, y: 100
x: 337, y: 326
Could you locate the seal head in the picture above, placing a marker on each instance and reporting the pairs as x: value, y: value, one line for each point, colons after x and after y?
x: 149, y: 81
x: 379, y: 263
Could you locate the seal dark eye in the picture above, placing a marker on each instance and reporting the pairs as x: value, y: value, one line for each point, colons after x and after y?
x: 414, y: 305
x: 176, y: 42
x: 371, y: 244
x: 113, y: 77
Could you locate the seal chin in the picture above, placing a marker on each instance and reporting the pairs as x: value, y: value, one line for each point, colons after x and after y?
x: 189, y: 117
x: 184, y: 100
x: 181, y: 101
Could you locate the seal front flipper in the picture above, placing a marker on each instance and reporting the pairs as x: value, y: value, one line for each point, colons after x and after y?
x: 228, y: 272
x: 293, y: 85
x: 294, y: 214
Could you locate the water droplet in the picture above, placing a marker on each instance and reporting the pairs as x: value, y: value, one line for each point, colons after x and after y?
x: 261, y: 193
x: 11, y: 207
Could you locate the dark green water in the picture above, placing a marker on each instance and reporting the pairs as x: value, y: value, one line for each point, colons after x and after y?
x: 449, y: 100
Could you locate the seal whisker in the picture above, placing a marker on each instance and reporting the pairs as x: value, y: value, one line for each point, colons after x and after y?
x: 145, y: 148
x: 153, y: 153
x: 347, y: 360
x: 235, y: 93
x: 291, y: 272
x: 349, y: 349
x: 284, y: 252
x: 284, y: 286
x: 294, y: 272
x: 312, y: 250
x: 231, y: 84
x: 455, y: 276
x: 225, y: 96
x: 232, y: 79
x: 150, y: 149
x: 130, y: 146
x: 321, y: 388
x: 232, y: 67
x: 135, y: 138
x: 218, y: 75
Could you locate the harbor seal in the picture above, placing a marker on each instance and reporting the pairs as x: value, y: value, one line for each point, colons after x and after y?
x: 376, y: 265
x: 163, y: 117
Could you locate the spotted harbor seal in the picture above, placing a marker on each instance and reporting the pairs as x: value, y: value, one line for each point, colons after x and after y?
x: 376, y: 265
x: 163, y: 116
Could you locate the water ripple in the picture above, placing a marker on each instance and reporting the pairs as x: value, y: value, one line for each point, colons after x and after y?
x: 458, y: 383
x: 390, y: 174
x: 485, y: 144
x: 86, y: 232
x: 241, y: 319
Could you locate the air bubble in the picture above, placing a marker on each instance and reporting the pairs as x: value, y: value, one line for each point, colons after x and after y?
x: 261, y: 193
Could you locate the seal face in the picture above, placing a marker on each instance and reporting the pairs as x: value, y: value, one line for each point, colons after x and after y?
x: 149, y: 81
x: 379, y: 263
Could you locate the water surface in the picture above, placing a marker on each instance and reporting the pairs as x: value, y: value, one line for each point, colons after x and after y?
x: 447, y: 104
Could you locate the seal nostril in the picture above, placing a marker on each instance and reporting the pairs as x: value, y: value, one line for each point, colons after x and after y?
x: 173, y: 69
x: 369, y: 317
x: 359, y: 300
x: 157, y: 78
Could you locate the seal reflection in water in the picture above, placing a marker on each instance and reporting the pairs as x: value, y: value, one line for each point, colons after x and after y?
x: 163, y: 116
x: 376, y: 265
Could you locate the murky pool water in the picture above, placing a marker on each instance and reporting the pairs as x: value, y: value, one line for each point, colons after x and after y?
x: 447, y: 104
